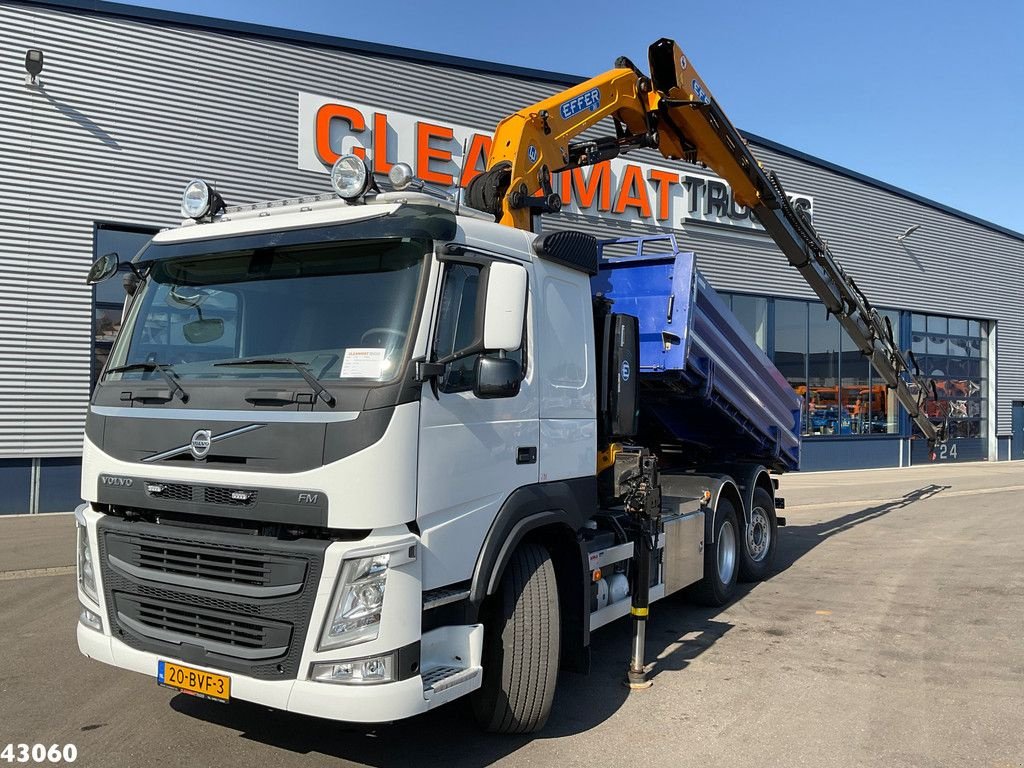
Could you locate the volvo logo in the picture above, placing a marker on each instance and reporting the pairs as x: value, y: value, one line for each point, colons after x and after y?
x: 200, y: 444
x: 121, y: 481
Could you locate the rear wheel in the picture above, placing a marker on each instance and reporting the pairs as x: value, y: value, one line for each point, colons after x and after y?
x: 521, y: 646
x: 757, y: 553
x: 721, y: 553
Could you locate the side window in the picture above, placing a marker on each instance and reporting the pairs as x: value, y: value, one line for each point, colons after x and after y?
x: 109, y: 297
x: 457, y: 326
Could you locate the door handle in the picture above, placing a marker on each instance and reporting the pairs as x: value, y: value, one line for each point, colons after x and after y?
x: 526, y: 455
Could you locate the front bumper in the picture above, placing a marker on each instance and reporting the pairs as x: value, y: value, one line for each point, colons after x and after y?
x: 357, y: 704
x: 295, y: 691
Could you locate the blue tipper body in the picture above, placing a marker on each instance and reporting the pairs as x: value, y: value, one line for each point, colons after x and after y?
x: 704, y: 381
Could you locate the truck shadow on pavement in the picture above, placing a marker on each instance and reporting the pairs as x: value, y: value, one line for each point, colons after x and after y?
x: 677, y: 634
x: 797, y: 540
x: 449, y: 735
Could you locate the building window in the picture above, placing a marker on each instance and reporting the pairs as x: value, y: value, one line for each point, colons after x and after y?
x: 841, y: 393
x: 790, y: 353
x: 108, y: 297
x: 752, y: 313
x: 825, y: 412
x: 953, y: 352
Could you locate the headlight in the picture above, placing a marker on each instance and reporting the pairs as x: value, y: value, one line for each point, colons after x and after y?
x: 354, y: 616
x: 86, y: 567
x: 376, y: 669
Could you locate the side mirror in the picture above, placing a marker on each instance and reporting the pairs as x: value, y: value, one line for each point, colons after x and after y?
x: 496, y: 377
x: 203, y: 331
x: 103, y: 268
x: 505, y: 306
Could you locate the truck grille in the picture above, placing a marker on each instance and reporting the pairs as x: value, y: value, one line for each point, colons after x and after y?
x: 174, y: 491
x: 232, y: 496
x: 232, y: 601
x: 202, y: 563
x: 187, y: 563
x: 248, y: 637
x: 208, y: 494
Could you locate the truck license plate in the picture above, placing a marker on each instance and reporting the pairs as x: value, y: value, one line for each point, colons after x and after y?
x: 205, y: 685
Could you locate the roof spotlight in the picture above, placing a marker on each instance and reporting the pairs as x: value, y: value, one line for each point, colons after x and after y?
x: 400, y: 175
x: 200, y: 200
x: 33, y: 63
x: 351, y: 177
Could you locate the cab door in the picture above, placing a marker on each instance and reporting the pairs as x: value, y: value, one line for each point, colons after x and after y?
x: 473, y: 452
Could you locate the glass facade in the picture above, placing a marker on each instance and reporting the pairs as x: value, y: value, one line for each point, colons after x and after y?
x: 842, y: 395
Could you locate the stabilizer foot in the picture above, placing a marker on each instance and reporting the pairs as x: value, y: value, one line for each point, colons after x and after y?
x: 637, y: 681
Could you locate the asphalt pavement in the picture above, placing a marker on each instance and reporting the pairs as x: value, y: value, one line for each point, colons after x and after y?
x: 892, y: 634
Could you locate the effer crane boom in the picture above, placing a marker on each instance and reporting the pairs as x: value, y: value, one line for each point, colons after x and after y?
x: 674, y: 112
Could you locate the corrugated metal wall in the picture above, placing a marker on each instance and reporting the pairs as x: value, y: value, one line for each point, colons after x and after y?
x: 131, y: 109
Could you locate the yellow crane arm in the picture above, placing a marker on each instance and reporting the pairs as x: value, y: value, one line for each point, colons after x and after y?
x: 661, y: 112
x: 536, y: 142
x: 674, y: 112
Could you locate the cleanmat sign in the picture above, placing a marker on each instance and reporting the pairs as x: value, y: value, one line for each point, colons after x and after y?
x: 444, y: 154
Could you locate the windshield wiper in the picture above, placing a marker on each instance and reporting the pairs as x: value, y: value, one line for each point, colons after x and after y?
x: 165, y: 370
x: 319, y: 388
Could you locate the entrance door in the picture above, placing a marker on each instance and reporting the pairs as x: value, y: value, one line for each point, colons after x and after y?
x: 473, y: 452
x: 1017, y: 443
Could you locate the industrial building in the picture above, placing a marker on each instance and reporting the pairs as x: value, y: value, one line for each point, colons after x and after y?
x: 130, y: 104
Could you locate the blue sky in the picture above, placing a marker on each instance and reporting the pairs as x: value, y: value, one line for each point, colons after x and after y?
x: 926, y: 95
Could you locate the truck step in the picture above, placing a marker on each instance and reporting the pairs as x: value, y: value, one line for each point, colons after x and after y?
x: 440, y: 679
x: 435, y: 598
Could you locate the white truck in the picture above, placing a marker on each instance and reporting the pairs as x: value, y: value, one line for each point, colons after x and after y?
x: 359, y: 454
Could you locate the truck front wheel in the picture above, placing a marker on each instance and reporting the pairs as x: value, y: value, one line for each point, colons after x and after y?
x: 721, y: 552
x: 521, y: 646
x: 757, y: 553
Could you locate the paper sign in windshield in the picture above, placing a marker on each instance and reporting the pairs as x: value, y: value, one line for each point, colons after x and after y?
x: 363, y: 363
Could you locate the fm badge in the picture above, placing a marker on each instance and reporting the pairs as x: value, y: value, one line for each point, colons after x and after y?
x: 200, y: 444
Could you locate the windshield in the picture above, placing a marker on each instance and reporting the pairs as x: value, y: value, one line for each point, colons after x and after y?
x: 341, y: 310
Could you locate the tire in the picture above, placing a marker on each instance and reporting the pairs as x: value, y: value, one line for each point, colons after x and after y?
x: 521, y: 646
x: 720, y: 558
x: 757, y: 550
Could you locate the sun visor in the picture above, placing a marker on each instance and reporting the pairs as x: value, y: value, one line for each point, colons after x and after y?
x: 425, y: 222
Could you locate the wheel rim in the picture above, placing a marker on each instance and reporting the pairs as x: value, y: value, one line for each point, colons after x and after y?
x: 726, y: 552
x: 759, y: 535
